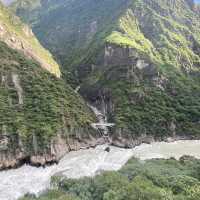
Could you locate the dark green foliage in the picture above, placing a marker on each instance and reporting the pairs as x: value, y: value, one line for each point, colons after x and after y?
x: 145, y: 180
x: 65, y: 27
x: 160, y: 32
x: 52, y: 195
x: 49, y: 105
x: 145, y: 108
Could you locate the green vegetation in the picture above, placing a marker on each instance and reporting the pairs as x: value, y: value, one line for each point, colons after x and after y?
x: 164, y: 35
x: 53, y: 195
x: 72, y: 30
x: 49, y: 107
x: 129, y: 34
x: 13, y: 30
x: 141, y: 57
x: 143, y: 108
x: 145, y: 180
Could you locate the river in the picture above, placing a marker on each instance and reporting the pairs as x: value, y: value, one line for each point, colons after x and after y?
x: 26, y: 179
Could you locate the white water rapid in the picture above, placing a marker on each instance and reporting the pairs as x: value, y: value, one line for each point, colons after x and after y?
x: 17, y: 182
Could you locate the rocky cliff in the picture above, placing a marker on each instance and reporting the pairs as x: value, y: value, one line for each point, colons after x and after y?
x: 19, y: 36
x: 41, y: 118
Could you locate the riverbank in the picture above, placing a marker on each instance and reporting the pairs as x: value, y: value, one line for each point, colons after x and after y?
x: 131, y: 142
x: 89, y: 162
x: 157, y: 179
x: 9, y: 161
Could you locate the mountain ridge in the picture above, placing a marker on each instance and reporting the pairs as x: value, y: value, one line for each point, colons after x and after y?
x: 19, y: 36
x: 41, y: 118
x: 136, y: 60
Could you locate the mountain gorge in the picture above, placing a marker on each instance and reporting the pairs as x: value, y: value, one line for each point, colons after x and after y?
x: 41, y: 117
x: 138, y: 61
x: 86, y: 85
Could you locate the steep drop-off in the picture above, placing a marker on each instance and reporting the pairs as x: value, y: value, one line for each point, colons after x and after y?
x: 41, y: 118
x: 137, y: 60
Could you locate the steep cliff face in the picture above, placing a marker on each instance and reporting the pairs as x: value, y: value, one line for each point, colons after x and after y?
x: 19, y: 36
x: 41, y: 118
x: 137, y: 59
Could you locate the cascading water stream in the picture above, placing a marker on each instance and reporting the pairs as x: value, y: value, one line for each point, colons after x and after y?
x: 102, y: 125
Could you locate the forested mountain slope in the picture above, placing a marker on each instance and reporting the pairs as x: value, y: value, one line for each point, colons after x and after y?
x: 137, y: 60
x: 41, y: 117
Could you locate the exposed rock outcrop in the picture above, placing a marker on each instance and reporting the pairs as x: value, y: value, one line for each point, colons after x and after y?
x: 41, y: 117
x: 59, y: 147
x: 19, y: 36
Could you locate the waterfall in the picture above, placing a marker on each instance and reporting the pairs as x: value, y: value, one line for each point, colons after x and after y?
x: 102, y: 125
x: 77, y: 89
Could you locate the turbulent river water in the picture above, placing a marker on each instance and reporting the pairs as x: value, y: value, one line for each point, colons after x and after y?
x: 17, y: 182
